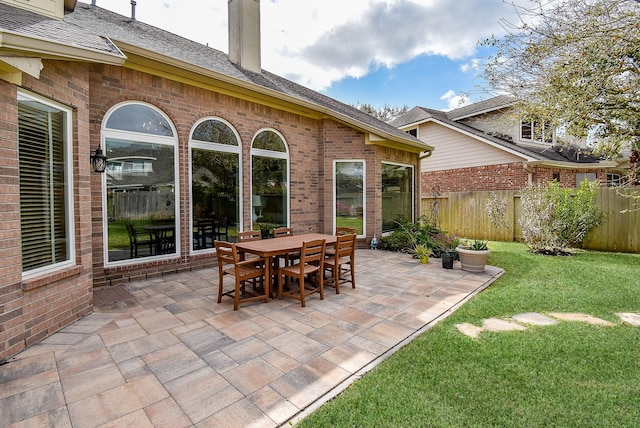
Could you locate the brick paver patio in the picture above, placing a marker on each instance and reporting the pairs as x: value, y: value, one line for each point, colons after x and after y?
x: 161, y: 352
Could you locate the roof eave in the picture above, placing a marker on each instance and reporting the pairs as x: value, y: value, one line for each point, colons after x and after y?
x: 574, y: 165
x: 21, y: 45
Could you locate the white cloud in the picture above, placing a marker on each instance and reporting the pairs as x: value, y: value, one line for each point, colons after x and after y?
x: 454, y: 100
x: 317, y: 43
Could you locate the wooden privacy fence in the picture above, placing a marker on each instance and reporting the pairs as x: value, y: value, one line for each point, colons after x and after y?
x: 466, y: 214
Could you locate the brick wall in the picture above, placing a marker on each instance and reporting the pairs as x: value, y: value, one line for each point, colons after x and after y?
x: 185, y: 105
x: 30, y: 310
x: 511, y: 176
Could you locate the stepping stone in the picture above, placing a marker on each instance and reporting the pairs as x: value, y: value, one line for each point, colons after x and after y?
x: 495, y: 324
x: 589, y: 319
x: 534, y: 318
x: 630, y: 318
x: 469, y: 329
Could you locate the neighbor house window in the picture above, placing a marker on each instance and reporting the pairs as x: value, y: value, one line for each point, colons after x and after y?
x: 141, y: 186
x: 46, y: 200
x: 589, y: 176
x: 397, y: 195
x: 349, y: 194
x: 269, y: 181
x: 614, y: 180
x: 536, y: 132
x: 215, y: 183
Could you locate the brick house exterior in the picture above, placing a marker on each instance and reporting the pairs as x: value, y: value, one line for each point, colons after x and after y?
x: 479, y: 148
x: 80, y: 69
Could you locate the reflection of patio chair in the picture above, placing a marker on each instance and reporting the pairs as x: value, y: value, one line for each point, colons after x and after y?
x: 135, y: 241
x: 203, y: 234
x: 165, y: 241
x: 221, y: 230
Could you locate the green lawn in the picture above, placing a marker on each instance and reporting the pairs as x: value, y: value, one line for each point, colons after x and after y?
x: 568, y: 375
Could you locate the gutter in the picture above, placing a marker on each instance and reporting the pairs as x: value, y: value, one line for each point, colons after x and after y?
x: 21, y: 45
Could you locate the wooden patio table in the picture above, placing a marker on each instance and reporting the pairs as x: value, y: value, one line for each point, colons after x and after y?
x: 270, y: 248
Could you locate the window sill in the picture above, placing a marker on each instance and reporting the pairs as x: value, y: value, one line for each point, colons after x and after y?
x: 46, y: 279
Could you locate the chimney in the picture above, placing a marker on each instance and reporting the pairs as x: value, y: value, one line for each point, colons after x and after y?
x: 244, y: 34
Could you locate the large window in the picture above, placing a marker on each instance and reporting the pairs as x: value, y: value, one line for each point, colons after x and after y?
x: 349, y: 195
x: 46, y: 209
x: 269, y: 181
x: 215, y: 183
x: 397, y: 195
x: 141, y: 184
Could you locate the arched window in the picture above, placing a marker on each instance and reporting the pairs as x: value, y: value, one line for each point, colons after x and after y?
x: 215, y: 183
x: 141, y: 186
x: 269, y: 180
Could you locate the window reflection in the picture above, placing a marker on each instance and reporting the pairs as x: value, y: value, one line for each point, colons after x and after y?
x: 269, y: 186
x: 349, y: 182
x: 397, y: 195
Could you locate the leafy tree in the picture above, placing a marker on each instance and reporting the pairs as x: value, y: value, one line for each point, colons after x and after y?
x: 385, y: 113
x: 575, y: 64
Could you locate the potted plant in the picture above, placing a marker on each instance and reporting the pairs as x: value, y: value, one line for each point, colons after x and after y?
x: 474, y: 255
x: 445, y: 247
x: 422, y: 252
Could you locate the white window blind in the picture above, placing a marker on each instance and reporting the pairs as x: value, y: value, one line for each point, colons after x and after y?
x: 43, y: 185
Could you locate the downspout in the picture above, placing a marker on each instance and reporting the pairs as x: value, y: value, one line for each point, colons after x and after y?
x: 427, y: 154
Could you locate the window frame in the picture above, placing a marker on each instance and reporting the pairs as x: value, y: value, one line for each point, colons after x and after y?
x: 109, y: 133
x: 218, y: 147
x: 68, y: 186
x: 276, y: 155
x: 364, y: 193
x: 533, y: 125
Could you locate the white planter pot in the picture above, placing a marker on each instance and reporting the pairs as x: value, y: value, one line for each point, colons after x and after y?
x: 473, y: 260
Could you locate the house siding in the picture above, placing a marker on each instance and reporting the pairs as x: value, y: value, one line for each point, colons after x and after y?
x: 454, y: 150
x: 32, y: 309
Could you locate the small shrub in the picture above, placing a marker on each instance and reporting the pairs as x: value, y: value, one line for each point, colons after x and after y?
x: 555, y: 219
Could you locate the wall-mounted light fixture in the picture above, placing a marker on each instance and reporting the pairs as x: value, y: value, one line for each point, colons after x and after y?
x: 99, y: 160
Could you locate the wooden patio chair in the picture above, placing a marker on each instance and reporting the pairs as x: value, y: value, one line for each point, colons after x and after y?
x: 229, y: 263
x: 290, y: 258
x: 311, y: 264
x: 340, y: 230
x: 342, y: 262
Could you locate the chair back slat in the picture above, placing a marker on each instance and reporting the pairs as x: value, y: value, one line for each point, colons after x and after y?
x: 249, y: 235
x: 312, y: 251
x: 227, y: 253
x: 345, y: 245
x: 282, y: 231
x: 344, y: 230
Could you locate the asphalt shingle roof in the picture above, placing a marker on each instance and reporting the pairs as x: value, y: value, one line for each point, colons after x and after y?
x: 26, y: 23
x: 451, y: 118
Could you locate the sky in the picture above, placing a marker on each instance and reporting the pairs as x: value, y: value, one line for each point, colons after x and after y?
x: 380, y: 52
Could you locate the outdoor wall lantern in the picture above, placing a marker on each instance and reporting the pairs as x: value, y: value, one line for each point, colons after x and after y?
x: 99, y: 160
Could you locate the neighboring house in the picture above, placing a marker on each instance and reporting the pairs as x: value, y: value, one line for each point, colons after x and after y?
x: 479, y: 148
x: 195, y: 138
